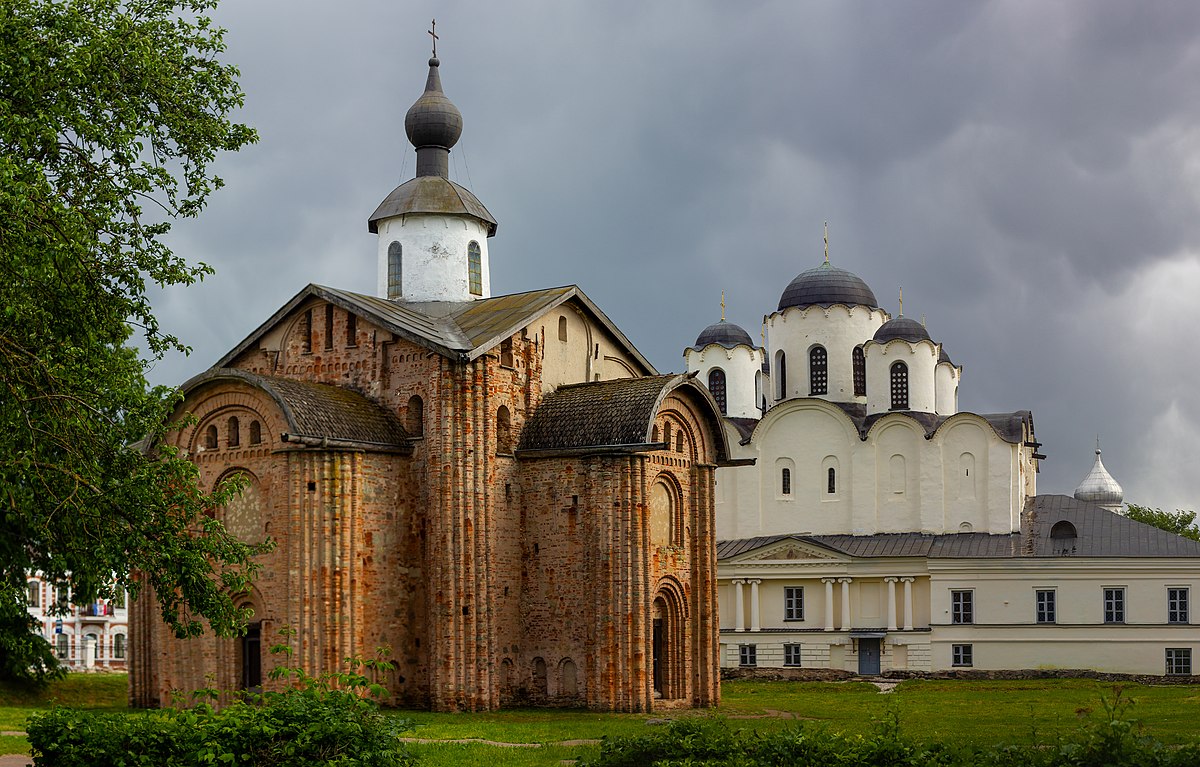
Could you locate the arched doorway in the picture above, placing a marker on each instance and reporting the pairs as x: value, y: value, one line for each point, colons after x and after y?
x: 249, y: 655
x: 669, y: 642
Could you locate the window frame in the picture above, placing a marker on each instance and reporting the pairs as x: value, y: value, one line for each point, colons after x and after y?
x: 1045, y: 605
x: 1178, y: 605
x: 899, y: 386
x: 748, y: 655
x: 474, y: 269
x: 785, y: 482
x: 858, y: 361
x: 1178, y: 661
x: 1114, y: 604
x: 818, y: 371
x: 717, y: 386
x: 962, y: 607
x: 395, y: 273
x: 962, y: 655
x: 33, y: 594
x: 792, y: 655
x: 120, y: 647
x: 793, y: 603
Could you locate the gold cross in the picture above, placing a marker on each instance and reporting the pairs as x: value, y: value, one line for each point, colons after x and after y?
x: 901, y: 301
x: 433, y: 34
x: 827, y: 242
x: 722, y: 306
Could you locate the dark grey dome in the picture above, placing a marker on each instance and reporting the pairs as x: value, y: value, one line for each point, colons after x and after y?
x: 433, y: 120
x: 724, y: 334
x: 903, y: 328
x: 943, y: 357
x: 827, y: 285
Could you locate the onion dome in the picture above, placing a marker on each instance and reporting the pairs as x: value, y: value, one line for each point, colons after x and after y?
x: 433, y: 125
x: 826, y: 285
x: 903, y: 328
x: 1099, y: 486
x: 724, y: 334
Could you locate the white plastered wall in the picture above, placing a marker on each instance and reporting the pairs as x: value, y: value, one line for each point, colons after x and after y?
x: 433, y: 257
x: 588, y: 352
x: 946, y: 380
x: 921, y: 359
x: 838, y: 328
x: 742, y: 366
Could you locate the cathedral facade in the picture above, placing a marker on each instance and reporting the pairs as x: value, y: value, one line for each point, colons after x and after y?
x: 873, y: 526
x: 500, y: 489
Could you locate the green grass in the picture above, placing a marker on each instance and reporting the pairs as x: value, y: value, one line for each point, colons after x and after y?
x: 963, y: 711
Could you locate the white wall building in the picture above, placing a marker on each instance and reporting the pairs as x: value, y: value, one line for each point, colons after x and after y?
x: 87, y: 636
x: 874, y: 526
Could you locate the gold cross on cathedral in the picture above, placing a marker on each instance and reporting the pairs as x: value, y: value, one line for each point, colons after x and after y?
x: 722, y: 306
x: 433, y: 34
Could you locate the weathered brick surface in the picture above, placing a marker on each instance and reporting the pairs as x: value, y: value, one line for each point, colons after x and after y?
x: 492, y: 579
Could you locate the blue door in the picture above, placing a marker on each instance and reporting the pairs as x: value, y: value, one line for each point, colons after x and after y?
x: 868, y: 657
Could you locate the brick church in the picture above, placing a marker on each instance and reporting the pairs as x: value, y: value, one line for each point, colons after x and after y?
x: 500, y: 489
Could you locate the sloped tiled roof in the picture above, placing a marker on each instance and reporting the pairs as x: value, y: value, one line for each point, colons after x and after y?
x: 461, y: 330
x: 1100, y: 533
x: 318, y: 411
x: 600, y: 413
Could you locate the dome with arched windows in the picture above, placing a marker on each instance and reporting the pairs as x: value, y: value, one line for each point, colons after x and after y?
x: 725, y: 334
x: 826, y: 285
x: 903, y: 328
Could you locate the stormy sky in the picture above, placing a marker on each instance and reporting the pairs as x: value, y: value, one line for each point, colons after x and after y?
x: 1028, y: 172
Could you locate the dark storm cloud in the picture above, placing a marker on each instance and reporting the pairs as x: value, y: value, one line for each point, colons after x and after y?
x: 1028, y: 172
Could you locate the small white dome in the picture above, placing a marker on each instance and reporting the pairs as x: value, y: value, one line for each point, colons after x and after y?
x: 1099, y: 486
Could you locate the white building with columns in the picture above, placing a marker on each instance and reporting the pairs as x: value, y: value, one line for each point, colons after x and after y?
x: 873, y: 526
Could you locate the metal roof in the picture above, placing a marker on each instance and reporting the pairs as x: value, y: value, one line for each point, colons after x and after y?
x: 827, y: 285
x: 431, y: 194
x: 1099, y: 486
x: 725, y: 334
x: 902, y: 328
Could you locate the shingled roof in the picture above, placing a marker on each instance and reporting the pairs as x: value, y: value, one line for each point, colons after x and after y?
x: 1099, y: 533
x: 319, y: 413
x: 462, y: 330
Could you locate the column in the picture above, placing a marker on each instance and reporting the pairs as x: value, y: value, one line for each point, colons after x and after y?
x: 828, y: 603
x: 754, y: 622
x: 891, y: 602
x: 846, y: 622
x: 739, y: 608
x: 908, y: 604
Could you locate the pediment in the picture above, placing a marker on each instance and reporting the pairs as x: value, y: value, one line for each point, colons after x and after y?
x: 792, y: 551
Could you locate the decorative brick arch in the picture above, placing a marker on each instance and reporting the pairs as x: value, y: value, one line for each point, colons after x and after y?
x: 670, y: 640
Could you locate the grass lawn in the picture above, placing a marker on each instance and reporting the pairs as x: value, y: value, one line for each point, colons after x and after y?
x: 980, y: 712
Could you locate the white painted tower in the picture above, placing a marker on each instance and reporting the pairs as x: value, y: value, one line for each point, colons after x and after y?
x: 725, y: 359
x: 432, y: 232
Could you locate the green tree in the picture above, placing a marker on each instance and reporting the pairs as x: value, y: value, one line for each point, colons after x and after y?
x: 111, y: 112
x: 1178, y: 522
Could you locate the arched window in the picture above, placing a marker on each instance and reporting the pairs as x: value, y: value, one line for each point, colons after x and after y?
x: 679, y: 441
x: 831, y: 486
x: 899, y: 386
x: 654, y: 433
x: 210, y: 437
x: 414, y: 419
x: 568, y: 685
x: 785, y: 481
x: 818, y: 371
x: 1063, y: 529
x: 780, y: 375
x: 475, y: 268
x: 539, y: 677
x: 716, y: 385
x: 506, y: 353
x: 255, y: 433
x: 395, y: 282
x: 234, y: 432
x: 35, y: 594
x: 503, y: 431
x: 562, y: 329
x: 119, y: 646
x: 860, y: 372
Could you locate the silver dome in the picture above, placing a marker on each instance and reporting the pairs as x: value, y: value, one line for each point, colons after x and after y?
x: 1099, y: 486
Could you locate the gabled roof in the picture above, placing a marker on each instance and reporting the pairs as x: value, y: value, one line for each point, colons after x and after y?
x: 1099, y: 533
x: 318, y: 413
x: 463, y: 330
x: 611, y: 415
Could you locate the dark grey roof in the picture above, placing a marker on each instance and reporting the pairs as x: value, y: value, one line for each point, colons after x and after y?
x: 460, y: 330
x: 431, y: 194
x: 943, y: 357
x: 827, y: 285
x: 744, y: 426
x: 902, y: 328
x: 1100, y: 533
x: 433, y: 120
x: 612, y: 414
x: 318, y: 411
x: 724, y: 334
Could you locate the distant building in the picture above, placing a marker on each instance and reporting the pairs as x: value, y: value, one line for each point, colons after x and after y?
x: 872, y: 525
x: 88, y: 636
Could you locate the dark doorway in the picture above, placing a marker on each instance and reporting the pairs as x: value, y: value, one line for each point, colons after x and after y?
x: 868, y: 657
x: 252, y: 658
x: 658, y: 656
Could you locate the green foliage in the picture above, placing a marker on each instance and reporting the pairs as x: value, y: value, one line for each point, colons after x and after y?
x: 111, y: 112
x: 1179, y: 522
x: 326, y: 720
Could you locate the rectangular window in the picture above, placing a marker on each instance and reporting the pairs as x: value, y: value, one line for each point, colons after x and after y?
x: 328, y: 326
x: 306, y: 327
x: 62, y: 597
x: 1177, y: 605
x: 119, y: 646
x: 1114, y: 605
x: 61, y: 646
x: 962, y: 655
x: 748, y: 655
x: 1179, y: 661
x: 351, y: 329
x: 35, y: 594
x: 793, y: 603
x: 791, y: 655
x: 1046, y: 612
x: 962, y: 607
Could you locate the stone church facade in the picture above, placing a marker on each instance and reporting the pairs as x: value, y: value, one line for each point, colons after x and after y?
x: 501, y: 490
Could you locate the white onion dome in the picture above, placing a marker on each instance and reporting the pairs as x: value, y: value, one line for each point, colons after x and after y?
x: 1099, y: 486
x: 903, y: 328
x: 827, y: 285
x: 725, y: 334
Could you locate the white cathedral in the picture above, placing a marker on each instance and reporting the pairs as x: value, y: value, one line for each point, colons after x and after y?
x: 873, y: 526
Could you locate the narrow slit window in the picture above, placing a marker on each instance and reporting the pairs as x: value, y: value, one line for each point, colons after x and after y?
x: 306, y: 328
x: 785, y: 481
x: 328, y: 326
x: 860, y: 372
x: 475, y: 268
x: 351, y: 329
x: 831, y: 487
x: 395, y: 283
